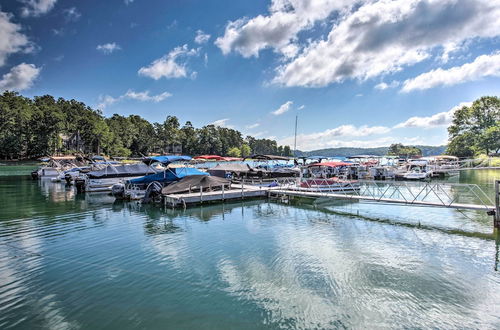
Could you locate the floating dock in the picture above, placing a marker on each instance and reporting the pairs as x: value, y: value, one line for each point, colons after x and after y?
x: 237, y: 191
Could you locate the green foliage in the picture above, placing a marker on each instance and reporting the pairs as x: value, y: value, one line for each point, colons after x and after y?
x: 234, y: 152
x: 245, y: 150
x: 475, y: 129
x: 43, y: 126
x: 398, y: 149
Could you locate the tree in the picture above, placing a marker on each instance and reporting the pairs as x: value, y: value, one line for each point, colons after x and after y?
x: 398, y: 149
x: 475, y: 128
x: 245, y: 150
x: 234, y: 152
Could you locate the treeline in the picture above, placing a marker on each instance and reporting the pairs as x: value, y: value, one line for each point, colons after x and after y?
x: 42, y: 126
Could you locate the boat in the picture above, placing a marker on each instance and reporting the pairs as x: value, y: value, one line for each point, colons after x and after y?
x: 329, y: 185
x: 136, y: 188
x: 443, y: 165
x: 52, y: 167
x: 415, y: 169
x: 103, y: 180
x: 382, y: 172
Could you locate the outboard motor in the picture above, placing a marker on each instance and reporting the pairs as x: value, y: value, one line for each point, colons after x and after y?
x: 68, y: 178
x: 118, y: 190
x: 80, y: 185
x: 152, y: 191
x: 34, y: 175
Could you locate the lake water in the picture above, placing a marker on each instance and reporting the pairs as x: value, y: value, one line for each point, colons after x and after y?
x: 87, y: 262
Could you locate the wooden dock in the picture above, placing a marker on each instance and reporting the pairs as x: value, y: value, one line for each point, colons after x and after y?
x: 237, y: 191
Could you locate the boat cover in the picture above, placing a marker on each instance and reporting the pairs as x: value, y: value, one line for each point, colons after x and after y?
x: 195, y: 182
x: 330, y: 164
x: 166, y: 159
x: 231, y: 167
x: 121, y: 171
x: 168, y: 175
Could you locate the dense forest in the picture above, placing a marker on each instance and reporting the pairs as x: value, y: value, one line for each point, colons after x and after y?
x: 30, y: 128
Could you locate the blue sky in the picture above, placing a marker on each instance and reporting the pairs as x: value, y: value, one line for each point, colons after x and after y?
x: 357, y: 73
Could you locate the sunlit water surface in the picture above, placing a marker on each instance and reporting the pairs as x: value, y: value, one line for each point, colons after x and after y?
x: 71, y: 262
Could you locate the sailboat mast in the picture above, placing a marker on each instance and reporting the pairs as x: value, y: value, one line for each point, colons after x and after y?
x: 295, y: 139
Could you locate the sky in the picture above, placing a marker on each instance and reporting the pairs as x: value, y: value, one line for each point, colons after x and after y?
x: 364, y: 73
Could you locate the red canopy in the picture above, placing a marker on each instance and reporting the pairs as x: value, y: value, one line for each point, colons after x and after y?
x: 209, y: 157
x: 231, y: 159
x: 331, y: 164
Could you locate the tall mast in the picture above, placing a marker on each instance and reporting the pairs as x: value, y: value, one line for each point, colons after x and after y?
x: 295, y: 139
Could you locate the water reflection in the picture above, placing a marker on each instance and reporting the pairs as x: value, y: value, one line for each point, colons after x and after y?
x: 91, y: 262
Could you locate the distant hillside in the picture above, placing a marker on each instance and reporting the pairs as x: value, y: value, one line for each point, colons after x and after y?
x: 381, y: 151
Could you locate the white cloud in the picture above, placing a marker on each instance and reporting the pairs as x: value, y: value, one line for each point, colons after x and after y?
x: 11, y: 39
x: 385, y: 36
x: 221, y: 123
x: 333, y: 137
x: 37, y: 7
x: 107, y: 100
x: 439, y: 119
x: 279, y: 29
x: 482, y: 66
x: 252, y: 126
x: 20, y: 77
x: 283, y: 108
x: 201, y: 37
x: 169, y: 66
x: 301, y: 107
x: 384, y: 85
x: 71, y: 14
x: 108, y: 48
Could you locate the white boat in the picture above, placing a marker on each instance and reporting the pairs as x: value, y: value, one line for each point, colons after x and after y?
x: 382, y: 172
x: 417, y: 170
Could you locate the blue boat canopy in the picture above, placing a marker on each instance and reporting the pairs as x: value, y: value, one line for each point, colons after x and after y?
x: 165, y: 159
x: 169, y: 175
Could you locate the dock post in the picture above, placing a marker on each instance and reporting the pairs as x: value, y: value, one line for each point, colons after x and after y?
x: 222, y: 192
x: 242, y: 182
x: 496, y: 221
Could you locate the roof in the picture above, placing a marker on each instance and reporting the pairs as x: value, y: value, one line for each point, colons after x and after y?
x: 194, y: 182
x: 232, y: 159
x: 112, y: 171
x: 209, y: 157
x: 168, y: 175
x: 330, y: 164
x: 165, y: 159
x: 269, y: 157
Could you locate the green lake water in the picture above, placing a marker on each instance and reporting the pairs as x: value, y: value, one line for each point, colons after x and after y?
x: 88, y: 262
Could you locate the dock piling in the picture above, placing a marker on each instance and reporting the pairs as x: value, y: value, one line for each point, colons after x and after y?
x: 496, y: 221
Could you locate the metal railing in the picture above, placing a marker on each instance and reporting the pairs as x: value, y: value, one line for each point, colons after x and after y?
x: 453, y: 195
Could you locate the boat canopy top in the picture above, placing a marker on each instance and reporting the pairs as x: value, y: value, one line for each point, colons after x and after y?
x: 165, y: 159
x: 232, y: 159
x: 194, y: 183
x: 446, y: 157
x: 122, y: 171
x: 168, y: 175
x: 268, y: 157
x: 330, y: 164
x: 363, y: 156
x: 209, y: 157
x: 231, y: 167
x: 98, y: 157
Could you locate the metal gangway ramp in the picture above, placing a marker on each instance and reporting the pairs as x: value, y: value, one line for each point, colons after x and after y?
x: 431, y: 194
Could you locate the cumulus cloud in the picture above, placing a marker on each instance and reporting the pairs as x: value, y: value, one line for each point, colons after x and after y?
x: 172, y: 65
x: 37, y: 7
x: 201, y: 37
x: 107, y: 100
x: 385, y: 36
x: 279, y: 29
x: 108, y: 48
x: 334, y: 137
x: 439, y: 119
x: 482, y: 66
x: 20, y: 77
x: 283, y: 108
x: 11, y: 39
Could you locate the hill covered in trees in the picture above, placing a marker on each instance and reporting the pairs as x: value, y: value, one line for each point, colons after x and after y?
x: 380, y: 151
x: 42, y: 126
